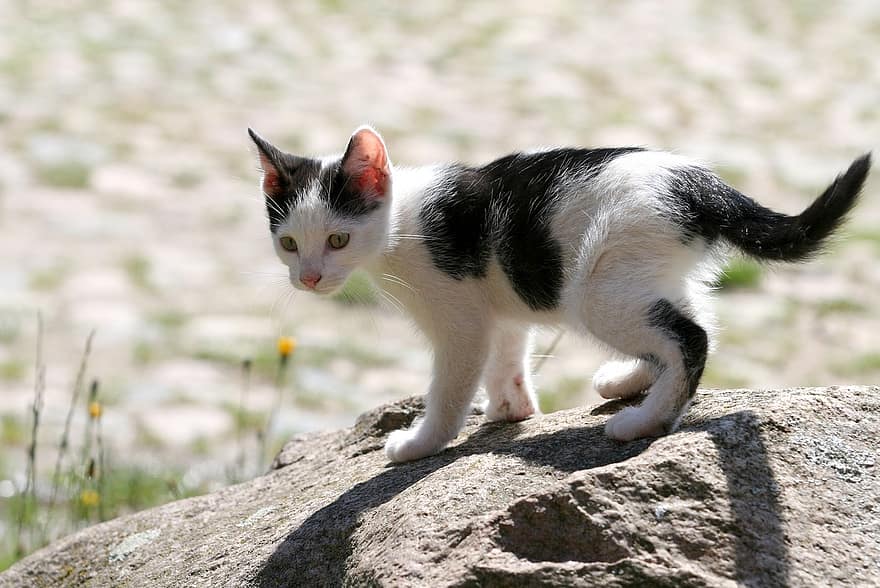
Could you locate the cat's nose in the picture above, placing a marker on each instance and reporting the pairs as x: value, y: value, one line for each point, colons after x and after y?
x: 310, y: 279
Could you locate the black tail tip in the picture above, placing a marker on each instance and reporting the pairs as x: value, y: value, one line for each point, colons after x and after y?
x: 858, y: 170
x: 851, y: 181
x: 861, y: 166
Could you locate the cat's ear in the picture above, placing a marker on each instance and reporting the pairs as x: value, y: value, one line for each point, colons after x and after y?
x: 271, y: 158
x: 366, y: 163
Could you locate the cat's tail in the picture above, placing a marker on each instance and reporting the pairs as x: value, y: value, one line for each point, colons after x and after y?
x: 765, y: 234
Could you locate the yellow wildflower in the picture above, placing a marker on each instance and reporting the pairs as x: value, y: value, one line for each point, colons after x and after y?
x: 95, y: 409
x: 89, y: 498
x: 286, y: 346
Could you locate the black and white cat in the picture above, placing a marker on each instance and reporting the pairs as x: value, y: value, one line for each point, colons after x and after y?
x: 616, y: 243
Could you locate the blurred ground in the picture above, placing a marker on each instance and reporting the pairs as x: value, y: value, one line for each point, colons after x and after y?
x: 129, y: 203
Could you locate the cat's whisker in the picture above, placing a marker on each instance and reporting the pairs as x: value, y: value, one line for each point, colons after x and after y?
x: 271, y: 203
x: 402, y: 284
x: 330, y: 183
x: 345, y: 183
x: 371, y: 315
x: 288, y: 301
x: 367, y: 303
x: 270, y: 274
x: 395, y: 307
x: 270, y: 286
x: 276, y: 280
x: 392, y: 300
x: 273, y: 281
x: 422, y: 239
x: 277, y: 301
x: 411, y: 236
x: 283, y: 301
x: 398, y: 280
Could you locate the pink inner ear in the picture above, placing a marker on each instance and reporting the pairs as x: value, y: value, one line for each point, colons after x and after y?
x: 372, y: 181
x: 366, y: 161
x: 271, y: 177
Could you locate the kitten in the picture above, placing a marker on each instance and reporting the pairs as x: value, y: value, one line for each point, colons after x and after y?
x: 619, y: 244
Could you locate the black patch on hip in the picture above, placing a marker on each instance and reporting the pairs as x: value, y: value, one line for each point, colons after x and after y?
x: 691, y: 338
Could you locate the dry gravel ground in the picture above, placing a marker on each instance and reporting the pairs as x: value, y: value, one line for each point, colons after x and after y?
x: 128, y: 198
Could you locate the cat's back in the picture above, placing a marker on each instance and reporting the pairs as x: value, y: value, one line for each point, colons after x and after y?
x: 504, y: 211
x: 529, y: 173
x: 522, y: 182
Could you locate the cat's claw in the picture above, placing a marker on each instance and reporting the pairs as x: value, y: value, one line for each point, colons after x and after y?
x: 409, y: 444
x: 633, y: 423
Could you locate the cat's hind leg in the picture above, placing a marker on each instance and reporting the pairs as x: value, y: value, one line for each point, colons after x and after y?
x: 507, y: 377
x: 680, y: 348
x: 624, y: 378
x: 642, y: 311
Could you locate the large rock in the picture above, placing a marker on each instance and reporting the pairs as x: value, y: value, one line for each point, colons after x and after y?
x: 764, y: 488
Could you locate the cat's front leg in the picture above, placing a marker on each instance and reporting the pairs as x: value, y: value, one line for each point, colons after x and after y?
x: 460, y: 351
x: 507, y: 377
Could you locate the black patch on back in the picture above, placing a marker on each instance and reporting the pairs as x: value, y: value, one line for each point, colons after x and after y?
x: 456, y: 223
x: 692, y: 341
x: 504, y: 208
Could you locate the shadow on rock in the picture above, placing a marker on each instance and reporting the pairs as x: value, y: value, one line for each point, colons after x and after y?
x: 316, y: 552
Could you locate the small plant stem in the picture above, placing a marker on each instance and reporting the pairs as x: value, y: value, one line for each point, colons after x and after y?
x: 87, y: 460
x: 65, y: 435
x: 276, y: 408
x: 99, y: 440
x: 29, y: 495
x: 239, y: 425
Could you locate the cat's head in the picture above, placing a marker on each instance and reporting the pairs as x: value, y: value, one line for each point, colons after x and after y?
x: 330, y: 215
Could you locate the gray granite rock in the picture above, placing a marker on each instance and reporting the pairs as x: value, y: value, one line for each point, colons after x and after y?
x: 763, y: 488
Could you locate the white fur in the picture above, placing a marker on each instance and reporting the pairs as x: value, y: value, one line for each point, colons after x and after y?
x: 507, y: 375
x: 623, y: 378
x: 621, y: 253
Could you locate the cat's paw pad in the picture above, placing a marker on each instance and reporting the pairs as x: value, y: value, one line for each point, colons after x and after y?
x: 510, y: 410
x: 410, y: 444
x: 621, y: 379
x: 633, y: 422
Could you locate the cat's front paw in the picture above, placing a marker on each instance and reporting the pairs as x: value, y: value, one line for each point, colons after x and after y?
x: 510, y: 399
x: 410, y: 444
x: 633, y: 422
x: 511, y: 410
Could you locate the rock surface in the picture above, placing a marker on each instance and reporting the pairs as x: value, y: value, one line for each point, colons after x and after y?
x: 763, y: 488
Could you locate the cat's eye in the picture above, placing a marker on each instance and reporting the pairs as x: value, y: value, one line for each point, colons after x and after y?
x: 287, y: 243
x: 338, y: 240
